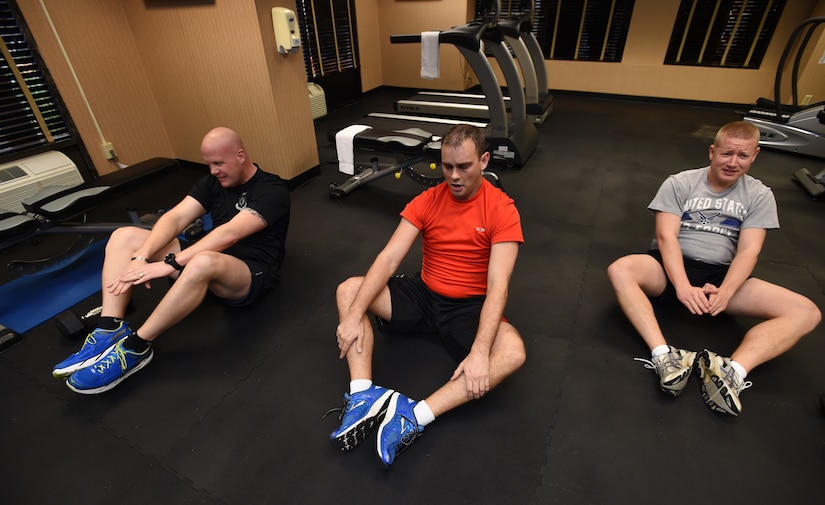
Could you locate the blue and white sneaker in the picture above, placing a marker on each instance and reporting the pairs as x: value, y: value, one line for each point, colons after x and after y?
x: 110, y: 371
x: 361, y: 414
x: 96, y: 345
x: 399, y: 429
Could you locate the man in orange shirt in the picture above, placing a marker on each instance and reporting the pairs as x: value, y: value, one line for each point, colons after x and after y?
x: 471, y: 236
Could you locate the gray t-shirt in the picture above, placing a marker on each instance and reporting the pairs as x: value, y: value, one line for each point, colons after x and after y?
x: 711, y: 221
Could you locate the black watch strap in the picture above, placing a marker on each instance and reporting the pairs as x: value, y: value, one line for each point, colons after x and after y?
x: 170, y: 260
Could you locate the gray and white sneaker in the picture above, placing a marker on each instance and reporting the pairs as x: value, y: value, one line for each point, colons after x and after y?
x: 673, y: 368
x: 721, y: 385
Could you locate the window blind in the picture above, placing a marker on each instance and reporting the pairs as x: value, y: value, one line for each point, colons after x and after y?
x: 723, y: 33
x: 588, y: 30
x: 328, y: 36
x: 31, y: 115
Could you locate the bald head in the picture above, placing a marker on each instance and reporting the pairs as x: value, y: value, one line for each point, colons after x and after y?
x: 223, y: 150
x: 222, y: 137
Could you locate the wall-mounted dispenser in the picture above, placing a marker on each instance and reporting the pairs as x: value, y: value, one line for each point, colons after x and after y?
x: 285, y: 25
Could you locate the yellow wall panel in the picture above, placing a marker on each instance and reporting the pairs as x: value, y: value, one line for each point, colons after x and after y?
x: 158, y: 75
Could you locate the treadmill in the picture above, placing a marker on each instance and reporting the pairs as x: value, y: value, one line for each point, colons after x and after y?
x: 512, y: 140
x: 448, y: 103
x: 518, y: 33
x: 417, y: 138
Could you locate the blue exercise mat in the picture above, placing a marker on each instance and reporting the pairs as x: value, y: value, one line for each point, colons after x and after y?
x: 31, y: 299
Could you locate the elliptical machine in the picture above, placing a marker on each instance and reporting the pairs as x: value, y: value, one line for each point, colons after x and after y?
x: 795, y: 128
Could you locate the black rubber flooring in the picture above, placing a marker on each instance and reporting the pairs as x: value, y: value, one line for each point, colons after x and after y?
x: 230, y: 410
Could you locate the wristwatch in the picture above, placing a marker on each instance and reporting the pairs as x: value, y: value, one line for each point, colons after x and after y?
x: 170, y: 260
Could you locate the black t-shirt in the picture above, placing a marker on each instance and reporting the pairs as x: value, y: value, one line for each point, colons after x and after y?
x: 265, y: 193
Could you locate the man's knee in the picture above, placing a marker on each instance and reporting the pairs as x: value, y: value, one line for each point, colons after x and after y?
x: 346, y: 290
x: 513, y: 350
x: 811, y: 315
x: 518, y: 355
x: 637, y: 271
x: 617, y: 270
x: 129, y: 237
x: 620, y: 270
x: 205, y: 265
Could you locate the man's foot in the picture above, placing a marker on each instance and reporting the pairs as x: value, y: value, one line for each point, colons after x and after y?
x: 361, y: 414
x: 398, y: 430
x: 110, y: 371
x: 721, y: 385
x: 96, y: 345
x: 673, y: 367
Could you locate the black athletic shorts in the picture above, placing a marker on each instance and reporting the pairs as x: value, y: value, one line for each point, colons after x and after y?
x: 263, y: 278
x: 698, y: 273
x: 416, y: 309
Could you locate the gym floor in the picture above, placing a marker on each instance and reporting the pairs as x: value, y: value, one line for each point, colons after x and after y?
x: 231, y: 408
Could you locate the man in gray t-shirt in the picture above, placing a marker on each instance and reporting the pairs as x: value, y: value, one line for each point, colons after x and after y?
x: 712, y: 221
x: 711, y: 224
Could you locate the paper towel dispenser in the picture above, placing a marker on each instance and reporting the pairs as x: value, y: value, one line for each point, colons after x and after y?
x: 285, y: 25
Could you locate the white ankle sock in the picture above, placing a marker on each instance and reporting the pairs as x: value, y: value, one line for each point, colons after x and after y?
x: 358, y: 385
x: 660, y: 349
x: 739, y: 369
x: 423, y: 414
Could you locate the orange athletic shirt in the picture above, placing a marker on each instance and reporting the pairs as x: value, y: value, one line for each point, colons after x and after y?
x: 457, y: 236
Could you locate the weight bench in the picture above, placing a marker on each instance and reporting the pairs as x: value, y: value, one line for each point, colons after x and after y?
x: 50, y: 209
x: 421, y: 145
x: 416, y: 144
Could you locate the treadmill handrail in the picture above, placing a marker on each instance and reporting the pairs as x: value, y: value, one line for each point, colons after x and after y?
x: 467, y: 39
x: 467, y: 36
x: 515, y: 26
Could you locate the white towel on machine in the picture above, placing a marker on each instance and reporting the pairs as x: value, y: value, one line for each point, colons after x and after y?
x: 343, y: 145
x: 429, y: 55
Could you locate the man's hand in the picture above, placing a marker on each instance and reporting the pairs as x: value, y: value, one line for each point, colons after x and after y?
x: 718, y: 298
x: 349, y: 331
x: 476, y: 371
x: 137, y: 272
x: 695, y: 299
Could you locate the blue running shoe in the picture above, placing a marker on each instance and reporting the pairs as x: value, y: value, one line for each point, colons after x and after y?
x: 361, y: 414
x: 399, y: 429
x: 110, y: 371
x: 96, y: 345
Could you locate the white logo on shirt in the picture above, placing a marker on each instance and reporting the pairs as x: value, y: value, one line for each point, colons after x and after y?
x: 708, y: 218
x: 241, y: 204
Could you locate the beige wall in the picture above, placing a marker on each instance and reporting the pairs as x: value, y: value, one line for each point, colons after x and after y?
x: 369, y: 43
x: 105, y: 66
x: 641, y: 72
x: 157, y: 75
x: 401, y: 63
